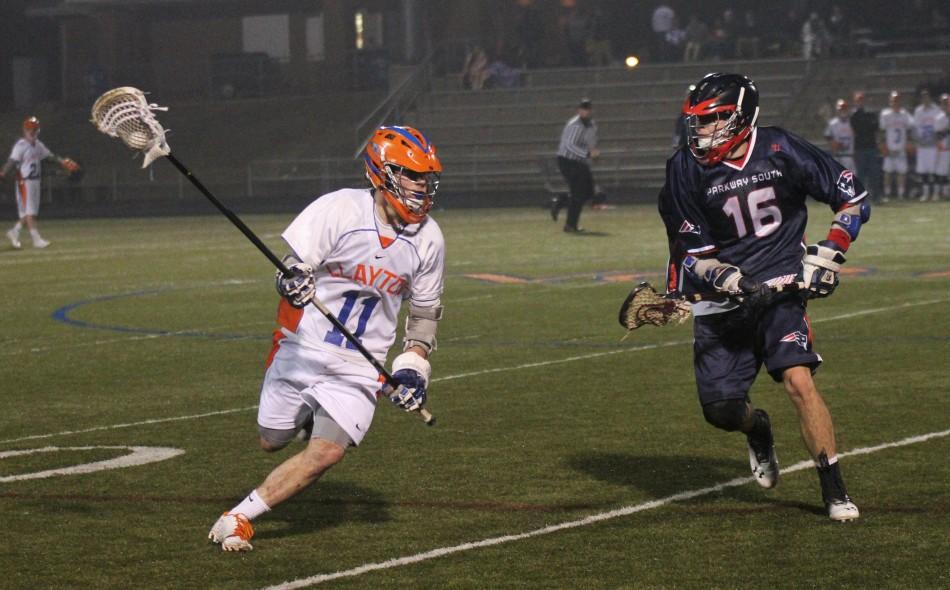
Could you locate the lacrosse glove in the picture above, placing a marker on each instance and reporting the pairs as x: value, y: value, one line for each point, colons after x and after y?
x: 411, y: 374
x: 820, y: 267
x: 299, y: 286
x: 729, y: 279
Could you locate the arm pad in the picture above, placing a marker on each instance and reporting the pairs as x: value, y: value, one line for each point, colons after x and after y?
x: 421, y: 325
x: 847, y: 224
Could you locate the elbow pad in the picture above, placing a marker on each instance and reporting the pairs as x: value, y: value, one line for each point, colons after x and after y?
x: 847, y: 224
x: 421, y: 325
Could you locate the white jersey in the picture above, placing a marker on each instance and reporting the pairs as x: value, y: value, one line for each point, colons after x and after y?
x: 29, y: 157
x: 839, y: 130
x: 926, y: 125
x: 364, y: 270
x: 944, y: 143
x: 896, y: 126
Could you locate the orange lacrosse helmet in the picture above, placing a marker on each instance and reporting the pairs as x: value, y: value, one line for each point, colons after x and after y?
x: 31, y: 124
x: 397, y: 153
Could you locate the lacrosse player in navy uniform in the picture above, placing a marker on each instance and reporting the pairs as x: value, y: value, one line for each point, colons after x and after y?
x: 735, y: 215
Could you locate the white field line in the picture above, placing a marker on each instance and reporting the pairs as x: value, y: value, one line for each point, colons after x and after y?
x: 131, y: 424
x: 137, y: 456
x: 586, y: 521
x: 456, y: 376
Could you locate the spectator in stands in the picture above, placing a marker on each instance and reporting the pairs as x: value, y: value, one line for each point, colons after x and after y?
x: 840, y: 135
x: 839, y: 33
x: 747, y: 43
x: 661, y: 22
x: 577, y: 33
x: 722, y: 42
x: 578, y: 146
x: 814, y: 37
x: 475, y: 69
x: 530, y: 29
x: 675, y: 40
x: 498, y: 74
x: 930, y: 124
x: 697, y: 35
x: 598, y: 46
x: 867, y: 158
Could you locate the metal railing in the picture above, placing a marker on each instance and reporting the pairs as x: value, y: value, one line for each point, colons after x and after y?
x: 398, y: 101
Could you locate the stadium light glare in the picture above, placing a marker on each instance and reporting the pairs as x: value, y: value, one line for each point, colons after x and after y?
x: 632, y: 61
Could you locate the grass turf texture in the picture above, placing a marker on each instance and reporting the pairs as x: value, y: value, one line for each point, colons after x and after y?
x: 524, y: 441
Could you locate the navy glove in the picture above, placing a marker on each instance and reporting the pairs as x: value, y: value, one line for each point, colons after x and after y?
x: 410, y: 391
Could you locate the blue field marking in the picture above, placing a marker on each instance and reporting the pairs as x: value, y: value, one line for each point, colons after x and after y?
x: 62, y: 315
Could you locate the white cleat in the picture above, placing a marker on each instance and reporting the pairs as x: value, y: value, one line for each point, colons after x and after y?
x: 842, y: 510
x: 40, y: 243
x: 765, y: 468
x: 762, y: 457
x: 233, y: 532
x: 14, y: 238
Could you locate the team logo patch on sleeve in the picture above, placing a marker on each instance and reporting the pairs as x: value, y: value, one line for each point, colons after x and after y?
x: 798, y: 338
x: 689, y: 228
x: 846, y: 183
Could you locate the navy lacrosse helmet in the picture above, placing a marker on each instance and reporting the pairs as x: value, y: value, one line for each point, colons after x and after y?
x: 731, y: 99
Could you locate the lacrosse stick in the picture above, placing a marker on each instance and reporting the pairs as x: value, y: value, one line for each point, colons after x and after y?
x: 124, y: 113
x: 645, y: 306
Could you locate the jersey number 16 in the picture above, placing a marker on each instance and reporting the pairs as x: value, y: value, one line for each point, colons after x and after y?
x: 761, y: 209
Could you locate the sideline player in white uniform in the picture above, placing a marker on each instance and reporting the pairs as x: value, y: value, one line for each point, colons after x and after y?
x: 840, y: 134
x: 362, y: 253
x: 928, y: 119
x: 896, y: 123
x: 26, y: 157
x: 943, y: 148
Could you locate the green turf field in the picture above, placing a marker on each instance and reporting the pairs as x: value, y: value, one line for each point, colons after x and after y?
x: 563, y: 457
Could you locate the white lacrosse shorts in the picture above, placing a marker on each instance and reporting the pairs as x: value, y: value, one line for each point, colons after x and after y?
x: 926, y: 160
x: 27, y: 197
x: 302, y: 376
x: 896, y: 164
x: 943, y: 162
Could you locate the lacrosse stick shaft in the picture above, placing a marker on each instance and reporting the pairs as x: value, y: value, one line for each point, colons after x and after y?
x: 427, y: 417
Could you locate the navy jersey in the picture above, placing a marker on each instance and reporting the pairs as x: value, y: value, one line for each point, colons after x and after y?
x: 750, y: 213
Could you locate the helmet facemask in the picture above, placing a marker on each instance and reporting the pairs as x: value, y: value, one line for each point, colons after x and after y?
x: 411, y: 193
x: 708, y: 145
x: 720, y: 114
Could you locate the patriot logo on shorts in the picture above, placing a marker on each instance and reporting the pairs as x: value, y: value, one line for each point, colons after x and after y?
x: 688, y: 228
x: 846, y: 183
x: 798, y: 338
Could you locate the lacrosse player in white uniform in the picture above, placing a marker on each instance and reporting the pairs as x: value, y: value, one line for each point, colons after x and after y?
x: 896, y: 123
x: 943, y: 148
x: 26, y: 157
x: 361, y: 252
x: 841, y: 135
x: 928, y: 120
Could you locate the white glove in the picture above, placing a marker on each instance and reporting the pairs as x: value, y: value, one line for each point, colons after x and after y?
x: 820, y: 268
x: 411, y: 373
x: 299, y: 287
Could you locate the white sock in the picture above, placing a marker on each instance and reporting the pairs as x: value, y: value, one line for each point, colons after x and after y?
x: 17, y: 227
x: 35, y: 233
x: 251, y: 507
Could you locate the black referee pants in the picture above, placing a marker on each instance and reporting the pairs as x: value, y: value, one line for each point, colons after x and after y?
x: 580, y: 181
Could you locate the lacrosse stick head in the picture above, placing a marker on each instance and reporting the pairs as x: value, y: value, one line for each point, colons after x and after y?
x: 124, y: 113
x: 645, y: 306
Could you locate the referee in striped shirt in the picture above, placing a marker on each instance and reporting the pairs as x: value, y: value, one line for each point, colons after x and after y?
x: 578, y: 146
